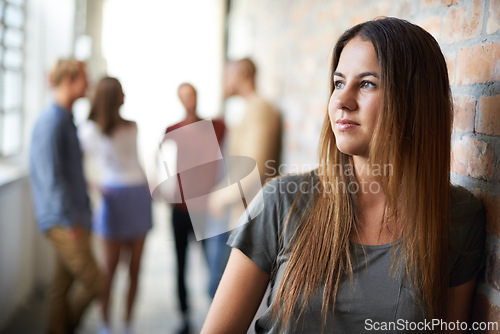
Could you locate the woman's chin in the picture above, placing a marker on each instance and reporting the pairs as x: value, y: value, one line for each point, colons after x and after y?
x: 349, y: 150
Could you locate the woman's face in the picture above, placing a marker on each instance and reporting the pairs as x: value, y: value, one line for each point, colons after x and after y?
x: 121, y: 95
x: 354, y: 104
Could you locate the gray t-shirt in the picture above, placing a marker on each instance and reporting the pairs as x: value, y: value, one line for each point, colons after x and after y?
x: 373, y: 295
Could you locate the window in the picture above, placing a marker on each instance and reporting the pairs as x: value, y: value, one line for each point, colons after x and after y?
x: 12, y: 36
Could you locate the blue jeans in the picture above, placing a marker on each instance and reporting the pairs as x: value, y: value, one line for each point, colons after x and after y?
x: 217, y: 255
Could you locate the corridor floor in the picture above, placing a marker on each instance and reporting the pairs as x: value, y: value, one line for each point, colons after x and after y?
x: 156, y: 309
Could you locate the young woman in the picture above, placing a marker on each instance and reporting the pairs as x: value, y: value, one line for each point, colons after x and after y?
x: 376, y: 238
x: 125, y: 215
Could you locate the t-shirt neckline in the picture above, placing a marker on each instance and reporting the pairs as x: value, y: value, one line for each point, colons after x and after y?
x: 382, y: 246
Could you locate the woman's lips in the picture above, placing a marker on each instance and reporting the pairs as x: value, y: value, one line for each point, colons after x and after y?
x: 346, y: 124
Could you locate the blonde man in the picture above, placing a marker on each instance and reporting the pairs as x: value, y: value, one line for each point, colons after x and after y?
x: 61, y: 201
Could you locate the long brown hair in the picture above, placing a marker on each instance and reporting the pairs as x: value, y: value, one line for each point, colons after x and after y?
x: 412, y: 135
x: 107, y: 101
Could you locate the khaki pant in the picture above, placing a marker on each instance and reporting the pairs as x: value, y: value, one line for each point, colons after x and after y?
x: 77, y: 280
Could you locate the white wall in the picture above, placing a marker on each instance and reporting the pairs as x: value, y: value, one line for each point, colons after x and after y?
x: 25, y: 256
x: 49, y: 35
x: 171, y: 43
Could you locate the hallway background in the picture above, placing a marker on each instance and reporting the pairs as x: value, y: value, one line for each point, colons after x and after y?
x: 152, y: 46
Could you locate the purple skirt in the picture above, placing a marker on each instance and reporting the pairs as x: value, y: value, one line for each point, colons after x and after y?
x: 125, y: 213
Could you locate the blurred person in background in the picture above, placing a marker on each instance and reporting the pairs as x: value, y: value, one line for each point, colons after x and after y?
x: 61, y: 201
x: 194, y: 144
x: 257, y: 136
x: 124, y: 217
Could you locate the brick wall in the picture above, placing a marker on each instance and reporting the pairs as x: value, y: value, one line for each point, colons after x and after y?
x: 291, y: 42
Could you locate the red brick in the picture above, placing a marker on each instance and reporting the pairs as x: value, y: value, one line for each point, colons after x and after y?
x: 493, y: 271
x: 431, y: 3
x: 473, y: 157
x: 478, y: 63
x: 481, y: 160
x: 332, y: 12
x: 464, y: 113
x: 405, y: 8
x: 432, y: 25
x: 301, y: 10
x: 328, y: 39
x: 382, y: 8
x: 492, y: 205
x: 493, y: 24
x: 451, y: 64
x: 484, y: 310
x: 460, y: 152
x: 489, y: 115
x: 319, y: 108
x: 352, y: 5
x: 359, y: 17
x: 309, y: 46
x: 322, y: 17
x: 438, y: 3
x: 462, y: 23
x: 298, y: 14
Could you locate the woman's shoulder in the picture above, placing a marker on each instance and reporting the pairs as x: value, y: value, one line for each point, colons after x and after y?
x: 291, y: 187
x: 464, y: 205
x: 468, y: 216
x: 128, y: 124
x: 125, y: 126
x: 291, y: 184
x: 468, y: 233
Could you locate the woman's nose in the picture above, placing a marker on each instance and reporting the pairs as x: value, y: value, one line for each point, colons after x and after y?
x: 345, y: 99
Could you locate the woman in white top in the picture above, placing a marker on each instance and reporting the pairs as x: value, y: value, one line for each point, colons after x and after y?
x: 125, y: 215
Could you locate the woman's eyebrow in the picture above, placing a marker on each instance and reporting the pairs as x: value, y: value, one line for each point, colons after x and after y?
x: 366, y: 74
x: 361, y: 75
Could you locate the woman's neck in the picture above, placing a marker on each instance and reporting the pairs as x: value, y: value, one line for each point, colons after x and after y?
x: 369, y: 190
x: 374, y: 228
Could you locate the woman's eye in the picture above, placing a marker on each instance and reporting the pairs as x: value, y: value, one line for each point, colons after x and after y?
x: 338, y: 84
x: 367, y: 84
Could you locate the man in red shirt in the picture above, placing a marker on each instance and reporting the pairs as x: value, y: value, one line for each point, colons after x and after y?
x: 198, y: 163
